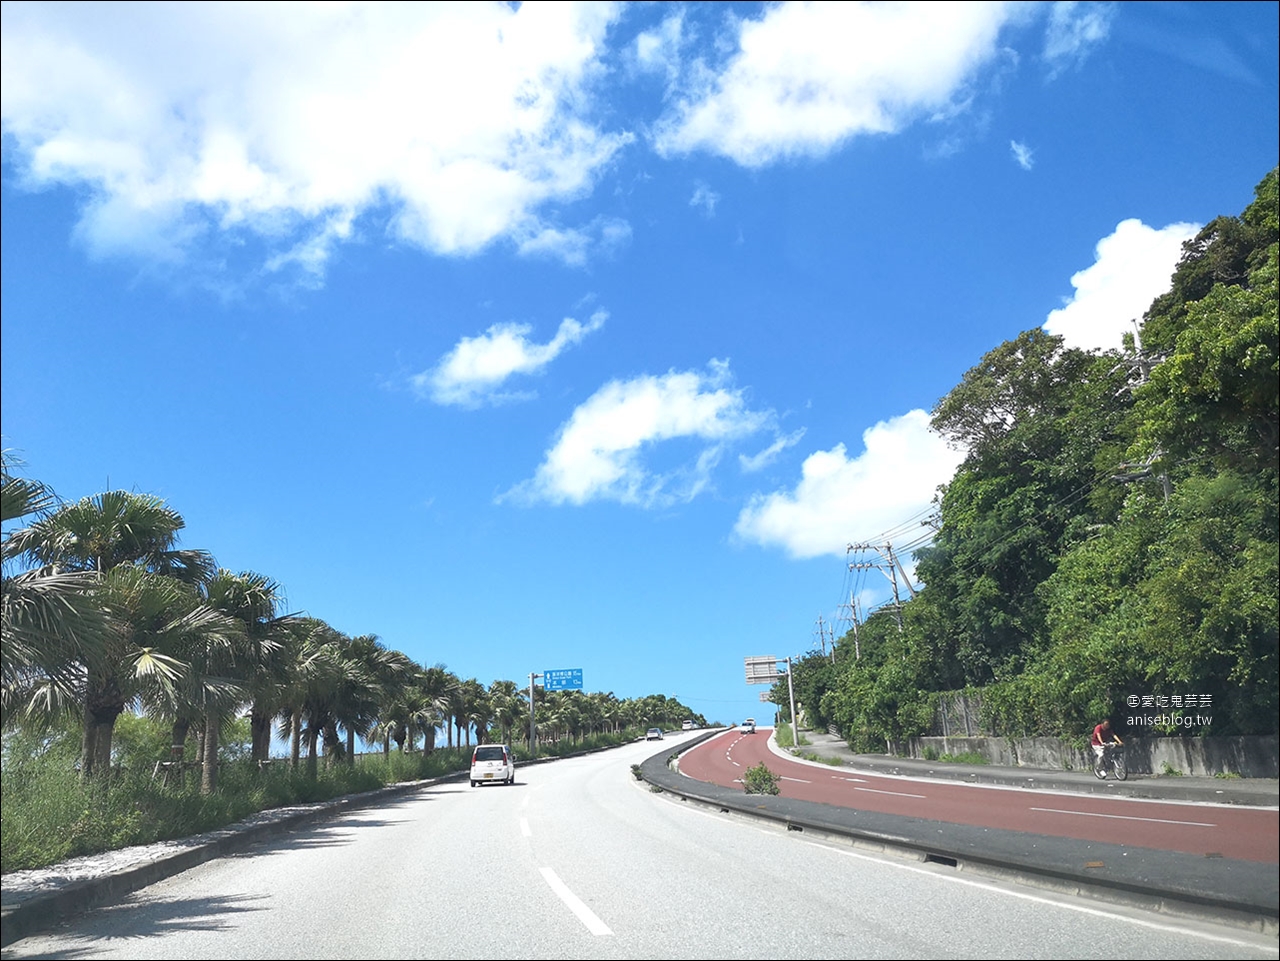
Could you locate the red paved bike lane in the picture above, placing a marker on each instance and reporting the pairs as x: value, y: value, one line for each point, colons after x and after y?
x: 1250, y: 834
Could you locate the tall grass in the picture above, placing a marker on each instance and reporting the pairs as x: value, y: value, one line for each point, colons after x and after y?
x: 49, y: 814
x: 782, y: 734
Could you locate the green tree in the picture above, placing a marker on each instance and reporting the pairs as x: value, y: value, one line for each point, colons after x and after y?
x: 129, y: 542
x: 1042, y: 426
x: 52, y: 625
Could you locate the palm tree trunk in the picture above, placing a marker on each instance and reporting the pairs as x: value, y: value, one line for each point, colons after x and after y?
x: 178, y: 739
x: 312, y: 736
x: 351, y: 746
x: 209, y: 773
x: 260, y: 728
x: 295, y: 737
x: 95, y: 745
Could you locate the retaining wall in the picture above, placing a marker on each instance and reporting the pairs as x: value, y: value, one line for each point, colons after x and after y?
x: 1201, y: 756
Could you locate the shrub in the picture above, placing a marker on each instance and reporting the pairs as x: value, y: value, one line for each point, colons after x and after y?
x: 760, y: 780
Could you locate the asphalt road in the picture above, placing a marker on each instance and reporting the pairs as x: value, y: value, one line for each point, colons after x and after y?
x: 578, y: 860
x: 1248, y: 834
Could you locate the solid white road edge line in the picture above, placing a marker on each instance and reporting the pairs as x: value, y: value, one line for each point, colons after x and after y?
x: 574, y: 903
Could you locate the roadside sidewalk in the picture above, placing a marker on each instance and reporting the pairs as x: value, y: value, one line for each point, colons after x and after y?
x: 1255, y: 792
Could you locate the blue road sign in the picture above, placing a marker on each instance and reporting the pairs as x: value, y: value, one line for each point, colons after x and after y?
x: 567, y: 680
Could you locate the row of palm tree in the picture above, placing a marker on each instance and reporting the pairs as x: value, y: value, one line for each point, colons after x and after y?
x: 104, y: 612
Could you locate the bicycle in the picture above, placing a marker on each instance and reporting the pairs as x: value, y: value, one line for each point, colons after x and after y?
x: 1112, y: 759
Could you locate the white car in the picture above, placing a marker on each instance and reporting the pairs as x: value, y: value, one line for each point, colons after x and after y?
x: 687, y: 725
x: 493, y: 764
x: 749, y: 726
x: 653, y: 734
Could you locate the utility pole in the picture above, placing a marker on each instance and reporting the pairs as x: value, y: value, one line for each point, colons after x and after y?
x: 853, y: 616
x: 1142, y: 364
x: 822, y: 638
x: 890, y: 566
x: 853, y: 620
x: 795, y: 721
x: 533, y: 735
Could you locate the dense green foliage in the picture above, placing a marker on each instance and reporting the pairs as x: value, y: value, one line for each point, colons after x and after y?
x: 1111, y: 533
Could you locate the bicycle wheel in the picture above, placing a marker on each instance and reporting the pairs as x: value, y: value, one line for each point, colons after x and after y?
x: 1100, y: 769
x: 1117, y: 765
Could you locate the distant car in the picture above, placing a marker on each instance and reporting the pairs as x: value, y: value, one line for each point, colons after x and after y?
x: 687, y: 726
x: 653, y: 734
x: 492, y: 764
x: 749, y: 726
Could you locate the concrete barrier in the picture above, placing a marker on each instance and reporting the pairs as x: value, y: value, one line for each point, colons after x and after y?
x: 1254, y: 757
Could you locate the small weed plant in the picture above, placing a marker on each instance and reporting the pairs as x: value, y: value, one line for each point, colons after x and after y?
x: 760, y: 780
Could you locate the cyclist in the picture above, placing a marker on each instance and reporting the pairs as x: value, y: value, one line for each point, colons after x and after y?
x: 1102, y: 736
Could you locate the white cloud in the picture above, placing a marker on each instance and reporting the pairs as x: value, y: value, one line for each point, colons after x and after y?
x: 1021, y: 154
x: 839, y: 500
x: 705, y: 198
x: 598, y: 454
x: 1133, y: 266
x: 767, y: 456
x: 658, y: 51
x: 477, y: 367
x: 807, y: 76
x: 603, y: 235
x: 1074, y: 30
x: 286, y: 122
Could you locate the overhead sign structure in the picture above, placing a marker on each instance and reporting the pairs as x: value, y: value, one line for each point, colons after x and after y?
x: 566, y: 680
x: 762, y: 670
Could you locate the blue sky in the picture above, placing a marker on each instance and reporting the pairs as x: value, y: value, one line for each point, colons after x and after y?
x: 581, y: 336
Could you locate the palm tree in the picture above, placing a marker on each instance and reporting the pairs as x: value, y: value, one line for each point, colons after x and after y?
x: 128, y: 544
x: 116, y: 527
x: 50, y: 625
x: 386, y: 671
x: 255, y: 600
x: 246, y: 669
x: 509, y: 707
x: 437, y: 685
x: 161, y: 627
x: 307, y: 671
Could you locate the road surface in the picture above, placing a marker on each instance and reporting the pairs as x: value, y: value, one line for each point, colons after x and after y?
x: 578, y: 860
